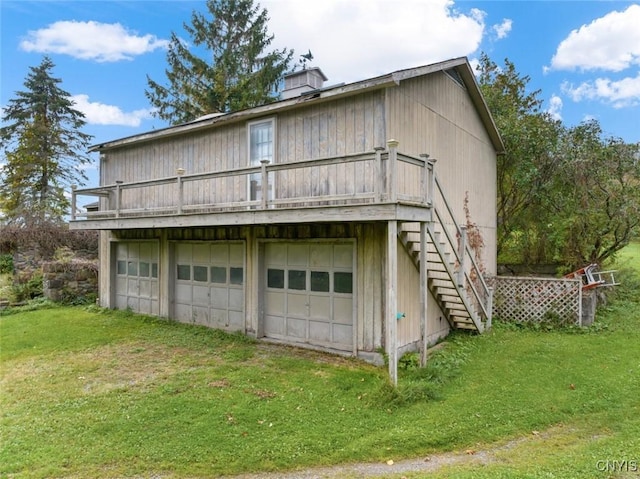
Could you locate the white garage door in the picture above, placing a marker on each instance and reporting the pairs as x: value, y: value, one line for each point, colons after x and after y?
x: 136, y: 278
x: 209, y: 284
x: 309, y: 293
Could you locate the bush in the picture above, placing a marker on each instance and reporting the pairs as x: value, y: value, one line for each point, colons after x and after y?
x: 46, y: 239
x: 27, y: 287
x: 72, y: 298
x: 629, y: 287
x: 6, y: 264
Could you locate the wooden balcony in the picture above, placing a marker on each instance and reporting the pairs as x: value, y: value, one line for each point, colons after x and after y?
x: 380, y: 185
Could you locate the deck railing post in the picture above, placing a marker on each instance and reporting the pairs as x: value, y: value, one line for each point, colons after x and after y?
x: 379, y: 180
x: 73, y: 202
x: 264, y: 185
x: 391, y: 300
x: 461, y: 255
x: 489, y: 307
x: 392, y: 183
x: 118, y: 197
x: 179, y: 173
x: 424, y: 179
x: 432, y: 181
x: 424, y: 294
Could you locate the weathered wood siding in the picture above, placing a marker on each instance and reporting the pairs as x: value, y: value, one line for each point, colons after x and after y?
x: 215, y: 149
x: 329, y: 129
x: 434, y: 114
x: 408, y: 299
x: 409, y: 304
x: 335, y: 128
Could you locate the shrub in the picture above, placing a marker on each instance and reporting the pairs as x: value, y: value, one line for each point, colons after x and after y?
x: 27, y: 287
x: 6, y: 264
x: 72, y: 298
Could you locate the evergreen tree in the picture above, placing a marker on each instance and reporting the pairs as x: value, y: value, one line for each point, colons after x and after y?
x: 42, y: 149
x: 239, y: 73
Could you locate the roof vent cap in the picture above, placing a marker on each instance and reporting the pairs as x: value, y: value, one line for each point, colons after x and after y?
x: 298, y: 82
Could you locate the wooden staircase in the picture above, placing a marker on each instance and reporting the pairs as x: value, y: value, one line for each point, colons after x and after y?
x: 454, y: 279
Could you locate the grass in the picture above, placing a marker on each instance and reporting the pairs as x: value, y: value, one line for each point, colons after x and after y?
x: 93, y: 393
x: 5, y: 286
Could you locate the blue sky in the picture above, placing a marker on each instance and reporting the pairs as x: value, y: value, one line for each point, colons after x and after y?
x: 584, y: 56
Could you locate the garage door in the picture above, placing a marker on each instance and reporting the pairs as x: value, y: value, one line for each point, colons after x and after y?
x: 209, y: 284
x: 136, y: 279
x: 309, y: 293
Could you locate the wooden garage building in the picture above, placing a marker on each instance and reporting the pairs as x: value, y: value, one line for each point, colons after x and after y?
x: 335, y: 218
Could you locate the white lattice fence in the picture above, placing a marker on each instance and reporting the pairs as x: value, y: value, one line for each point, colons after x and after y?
x: 538, y: 299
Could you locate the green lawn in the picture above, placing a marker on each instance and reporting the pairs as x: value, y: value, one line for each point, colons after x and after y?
x: 92, y: 393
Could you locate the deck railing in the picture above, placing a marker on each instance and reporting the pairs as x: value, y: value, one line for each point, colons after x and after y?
x: 470, y: 274
x: 381, y: 176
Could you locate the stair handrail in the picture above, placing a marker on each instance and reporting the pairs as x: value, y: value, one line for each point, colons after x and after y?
x: 486, y: 308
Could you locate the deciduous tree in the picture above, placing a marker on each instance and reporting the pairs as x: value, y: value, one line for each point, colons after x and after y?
x: 595, y: 201
x: 569, y: 196
x: 525, y: 171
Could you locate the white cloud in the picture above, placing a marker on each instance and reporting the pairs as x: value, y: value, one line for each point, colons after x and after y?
x: 101, y: 114
x: 619, y: 94
x: 555, y: 107
x: 356, y: 39
x: 610, y: 43
x: 475, y: 64
x: 503, y: 29
x: 91, y: 40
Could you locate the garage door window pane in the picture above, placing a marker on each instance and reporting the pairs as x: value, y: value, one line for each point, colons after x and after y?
x: 297, y: 279
x: 184, y: 272
x: 132, y: 268
x: 122, y: 267
x: 275, y: 278
x: 320, y: 281
x: 342, y: 282
x: 218, y: 274
x: 154, y: 270
x: 236, y: 275
x: 200, y: 273
x: 144, y: 269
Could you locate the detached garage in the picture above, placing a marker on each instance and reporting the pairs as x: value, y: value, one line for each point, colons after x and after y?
x: 308, y: 294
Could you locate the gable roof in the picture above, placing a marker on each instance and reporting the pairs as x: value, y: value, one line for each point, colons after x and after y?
x: 460, y: 65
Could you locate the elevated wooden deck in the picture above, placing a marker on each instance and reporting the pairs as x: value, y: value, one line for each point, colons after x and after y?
x: 374, y: 186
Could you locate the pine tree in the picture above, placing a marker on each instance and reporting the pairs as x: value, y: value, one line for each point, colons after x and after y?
x: 42, y: 149
x: 239, y: 74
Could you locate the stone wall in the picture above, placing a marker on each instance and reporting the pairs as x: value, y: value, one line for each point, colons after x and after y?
x: 70, y: 282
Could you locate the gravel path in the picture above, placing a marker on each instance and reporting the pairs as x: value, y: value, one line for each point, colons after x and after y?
x: 424, y: 464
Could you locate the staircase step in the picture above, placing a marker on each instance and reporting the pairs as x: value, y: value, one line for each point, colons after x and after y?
x: 448, y: 297
x: 443, y: 285
x: 433, y: 266
x: 470, y: 327
x: 457, y: 312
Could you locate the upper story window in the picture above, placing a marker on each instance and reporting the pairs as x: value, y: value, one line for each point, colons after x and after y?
x: 261, y: 147
x: 261, y: 141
